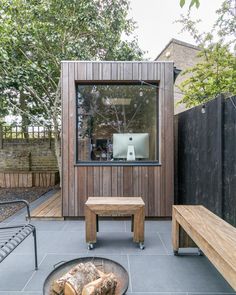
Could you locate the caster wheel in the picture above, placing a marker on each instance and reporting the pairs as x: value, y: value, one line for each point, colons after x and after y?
x: 200, y: 253
x: 90, y: 246
x: 141, y: 246
x: 176, y: 253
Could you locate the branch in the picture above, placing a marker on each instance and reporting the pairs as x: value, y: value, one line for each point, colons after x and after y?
x: 106, y: 120
x: 46, y: 73
x: 35, y: 95
x: 134, y: 115
x: 24, y: 112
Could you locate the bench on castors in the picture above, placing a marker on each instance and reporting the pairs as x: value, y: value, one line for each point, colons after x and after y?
x: 215, y: 237
x: 13, y: 235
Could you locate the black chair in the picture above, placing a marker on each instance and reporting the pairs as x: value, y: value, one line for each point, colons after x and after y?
x: 12, y: 236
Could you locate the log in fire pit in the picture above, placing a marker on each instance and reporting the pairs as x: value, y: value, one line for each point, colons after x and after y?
x: 103, y: 264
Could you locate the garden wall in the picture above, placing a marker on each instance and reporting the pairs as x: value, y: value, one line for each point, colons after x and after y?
x: 28, y: 162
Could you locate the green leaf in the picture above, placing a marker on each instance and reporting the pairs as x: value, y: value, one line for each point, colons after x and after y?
x: 182, y: 2
x: 194, y: 2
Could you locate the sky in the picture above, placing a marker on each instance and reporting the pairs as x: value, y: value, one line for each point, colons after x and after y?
x: 155, y: 22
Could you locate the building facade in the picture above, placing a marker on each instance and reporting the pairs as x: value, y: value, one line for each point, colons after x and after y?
x: 184, y: 56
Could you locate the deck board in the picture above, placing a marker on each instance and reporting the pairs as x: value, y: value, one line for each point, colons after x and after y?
x: 50, y: 209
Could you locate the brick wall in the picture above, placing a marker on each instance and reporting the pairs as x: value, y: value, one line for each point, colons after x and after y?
x: 31, y: 155
x: 184, y: 56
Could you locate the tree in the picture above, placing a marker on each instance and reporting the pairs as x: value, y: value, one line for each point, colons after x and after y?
x: 37, y: 35
x: 216, y: 72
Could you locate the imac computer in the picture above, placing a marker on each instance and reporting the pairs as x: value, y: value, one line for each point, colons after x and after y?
x: 131, y: 146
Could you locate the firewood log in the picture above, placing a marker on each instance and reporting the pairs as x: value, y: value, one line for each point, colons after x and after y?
x: 74, y: 284
x: 105, y: 285
x: 84, y: 274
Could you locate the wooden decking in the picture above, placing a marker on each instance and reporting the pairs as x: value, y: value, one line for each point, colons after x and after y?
x: 51, y: 209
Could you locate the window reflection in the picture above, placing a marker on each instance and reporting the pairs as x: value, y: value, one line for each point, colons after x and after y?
x: 121, y: 114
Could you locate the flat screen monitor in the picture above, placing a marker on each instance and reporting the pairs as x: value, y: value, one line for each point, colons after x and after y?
x: 131, y: 146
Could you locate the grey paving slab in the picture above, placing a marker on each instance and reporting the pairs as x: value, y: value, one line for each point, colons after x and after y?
x: 74, y: 225
x: 169, y: 273
x: 111, y: 225
x: 122, y: 243
x: 112, y: 243
x: 56, y: 242
x: 15, y: 271
x: 167, y: 242
x: 153, y: 245
x: 160, y: 226
x: 44, y: 225
x: 26, y: 261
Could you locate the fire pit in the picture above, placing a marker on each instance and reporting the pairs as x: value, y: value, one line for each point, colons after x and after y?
x: 103, y: 264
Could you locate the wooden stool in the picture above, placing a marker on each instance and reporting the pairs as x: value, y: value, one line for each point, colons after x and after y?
x: 114, y: 206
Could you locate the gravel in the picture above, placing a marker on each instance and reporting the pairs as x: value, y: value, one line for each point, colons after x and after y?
x: 28, y: 194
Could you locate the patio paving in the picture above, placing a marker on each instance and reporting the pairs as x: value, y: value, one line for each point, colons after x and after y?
x: 154, y: 270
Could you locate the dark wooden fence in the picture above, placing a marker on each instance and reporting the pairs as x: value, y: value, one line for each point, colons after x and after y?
x: 205, y: 153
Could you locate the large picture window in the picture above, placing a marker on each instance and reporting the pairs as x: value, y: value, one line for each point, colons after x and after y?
x: 117, y: 122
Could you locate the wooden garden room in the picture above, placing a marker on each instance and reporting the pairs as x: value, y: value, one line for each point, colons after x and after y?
x: 117, y: 136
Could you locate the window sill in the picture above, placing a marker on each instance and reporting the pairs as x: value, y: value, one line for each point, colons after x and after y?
x: 113, y: 163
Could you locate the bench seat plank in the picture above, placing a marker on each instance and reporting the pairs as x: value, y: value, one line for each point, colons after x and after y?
x: 215, y: 237
x: 112, y: 205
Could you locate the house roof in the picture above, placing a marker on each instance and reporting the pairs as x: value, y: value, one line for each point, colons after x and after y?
x: 179, y: 43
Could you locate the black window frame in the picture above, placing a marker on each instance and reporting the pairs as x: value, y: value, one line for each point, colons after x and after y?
x: 156, y: 162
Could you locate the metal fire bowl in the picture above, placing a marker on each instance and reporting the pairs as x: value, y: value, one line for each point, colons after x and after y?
x: 103, y: 264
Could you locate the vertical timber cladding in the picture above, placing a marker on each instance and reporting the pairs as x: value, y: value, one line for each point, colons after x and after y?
x: 154, y: 183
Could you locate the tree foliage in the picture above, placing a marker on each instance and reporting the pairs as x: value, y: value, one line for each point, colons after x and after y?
x: 215, y: 73
x: 37, y: 35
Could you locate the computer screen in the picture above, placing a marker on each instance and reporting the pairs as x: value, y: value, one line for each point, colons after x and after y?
x: 131, y: 146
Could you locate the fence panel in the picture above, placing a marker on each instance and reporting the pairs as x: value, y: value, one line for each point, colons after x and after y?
x: 206, y: 157
x: 229, y: 156
x: 199, y: 156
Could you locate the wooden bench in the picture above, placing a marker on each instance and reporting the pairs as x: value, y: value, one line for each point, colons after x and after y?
x: 12, y: 236
x: 114, y: 206
x: 215, y: 237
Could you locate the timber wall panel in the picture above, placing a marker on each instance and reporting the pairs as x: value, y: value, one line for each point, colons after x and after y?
x: 72, y: 132
x: 65, y: 137
x: 153, y: 183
